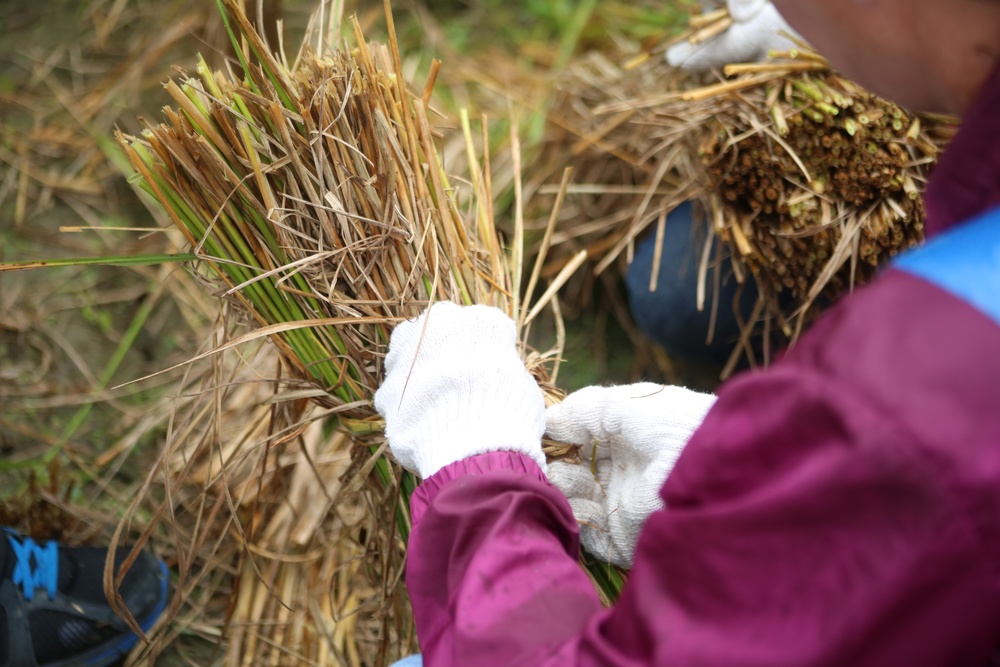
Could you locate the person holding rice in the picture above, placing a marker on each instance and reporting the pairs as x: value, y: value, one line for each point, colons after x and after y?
x: 840, y: 508
x: 670, y: 315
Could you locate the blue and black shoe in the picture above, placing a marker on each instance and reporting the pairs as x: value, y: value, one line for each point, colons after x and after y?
x: 53, y: 611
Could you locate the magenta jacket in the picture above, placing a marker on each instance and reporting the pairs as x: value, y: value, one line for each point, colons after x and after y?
x: 840, y: 509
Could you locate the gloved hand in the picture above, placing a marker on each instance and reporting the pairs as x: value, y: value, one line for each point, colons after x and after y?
x: 455, y: 387
x: 631, y: 435
x: 756, y: 30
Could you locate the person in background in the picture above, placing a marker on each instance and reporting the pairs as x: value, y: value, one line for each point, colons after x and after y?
x: 669, y: 315
x: 53, y: 610
x: 839, y: 508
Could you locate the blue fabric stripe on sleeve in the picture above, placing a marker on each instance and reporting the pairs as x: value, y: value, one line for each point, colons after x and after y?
x: 964, y: 261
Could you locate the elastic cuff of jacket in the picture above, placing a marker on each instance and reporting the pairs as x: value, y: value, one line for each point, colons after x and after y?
x: 480, y: 464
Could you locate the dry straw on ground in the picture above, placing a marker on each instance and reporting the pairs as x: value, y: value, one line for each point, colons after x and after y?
x: 315, y: 198
x: 277, y: 558
x: 809, y: 181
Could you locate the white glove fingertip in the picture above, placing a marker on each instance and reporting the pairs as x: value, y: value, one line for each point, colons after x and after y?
x: 598, y: 541
x: 573, y: 420
x: 758, y: 28
x: 592, y: 517
x: 575, y: 481
x: 678, y: 55
x: 591, y: 413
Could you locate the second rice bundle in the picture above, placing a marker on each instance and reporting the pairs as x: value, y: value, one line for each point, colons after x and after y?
x: 809, y: 181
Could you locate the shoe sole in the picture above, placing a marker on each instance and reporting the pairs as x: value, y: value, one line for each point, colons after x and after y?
x: 116, y: 649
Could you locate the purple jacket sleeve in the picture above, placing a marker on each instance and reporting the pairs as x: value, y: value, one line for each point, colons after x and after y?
x: 818, y: 517
x: 492, y: 570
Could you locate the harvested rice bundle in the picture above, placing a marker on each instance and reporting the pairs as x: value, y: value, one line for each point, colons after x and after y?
x: 809, y: 180
x: 317, y: 198
x: 836, y: 174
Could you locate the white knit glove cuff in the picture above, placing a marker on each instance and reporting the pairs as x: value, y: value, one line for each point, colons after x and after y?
x: 467, y: 392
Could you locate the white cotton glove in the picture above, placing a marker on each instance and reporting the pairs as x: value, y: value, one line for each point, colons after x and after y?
x: 631, y: 434
x: 467, y: 392
x: 757, y: 29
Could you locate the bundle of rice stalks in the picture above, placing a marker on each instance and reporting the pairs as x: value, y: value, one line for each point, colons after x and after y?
x: 315, y: 198
x: 809, y: 181
x: 313, y: 194
x: 316, y: 195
